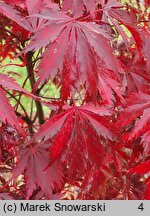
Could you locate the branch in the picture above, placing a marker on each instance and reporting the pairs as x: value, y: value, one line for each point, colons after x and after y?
x: 29, y: 66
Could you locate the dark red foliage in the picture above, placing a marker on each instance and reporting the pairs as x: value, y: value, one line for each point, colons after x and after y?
x: 94, y: 143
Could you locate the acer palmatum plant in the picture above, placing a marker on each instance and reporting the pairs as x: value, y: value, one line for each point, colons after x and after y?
x: 93, y: 139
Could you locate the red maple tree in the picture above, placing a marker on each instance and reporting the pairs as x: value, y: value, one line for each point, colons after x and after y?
x: 93, y: 140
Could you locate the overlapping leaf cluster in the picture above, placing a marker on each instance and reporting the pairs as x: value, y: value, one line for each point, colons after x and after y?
x: 95, y: 143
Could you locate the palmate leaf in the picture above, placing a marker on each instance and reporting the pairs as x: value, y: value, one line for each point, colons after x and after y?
x: 113, y: 11
x: 33, y: 161
x: 7, y: 113
x: 76, y: 135
x: 81, y: 58
x: 84, y: 58
x: 33, y: 23
x: 138, y: 107
x: 30, y: 23
x: 137, y: 80
x: 6, y: 110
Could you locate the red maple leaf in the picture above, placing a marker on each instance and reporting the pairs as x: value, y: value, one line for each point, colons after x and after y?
x: 135, y: 76
x: 7, y: 112
x: 33, y: 160
x: 96, y: 53
x: 79, y: 58
x: 138, y: 110
x: 113, y: 11
x: 76, y: 135
x: 26, y: 20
